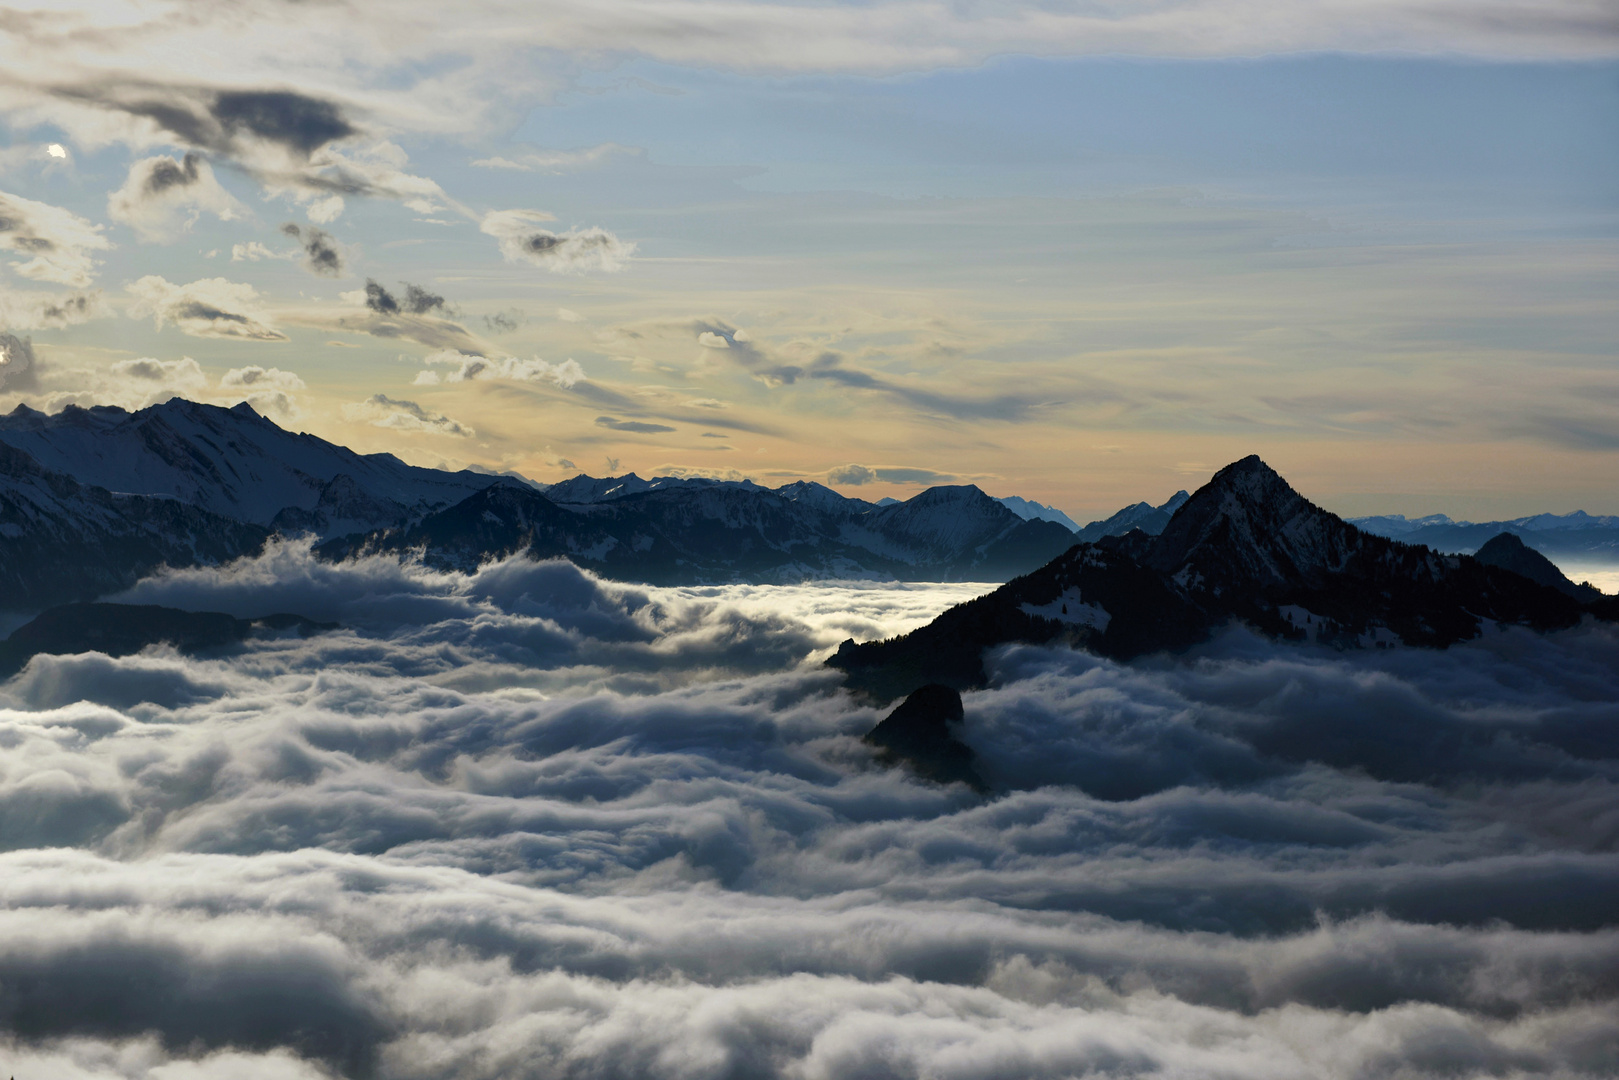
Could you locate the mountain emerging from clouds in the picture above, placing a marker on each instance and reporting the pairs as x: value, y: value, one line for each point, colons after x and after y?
x: 1246, y: 547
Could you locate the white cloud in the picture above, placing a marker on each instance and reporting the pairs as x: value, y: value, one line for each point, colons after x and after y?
x: 209, y: 308
x: 18, y: 368
x: 53, y: 244
x: 525, y: 815
x: 128, y: 384
x: 467, y: 368
x: 522, y: 239
x: 49, y: 311
x: 253, y: 251
x: 162, y: 197
x: 555, y: 161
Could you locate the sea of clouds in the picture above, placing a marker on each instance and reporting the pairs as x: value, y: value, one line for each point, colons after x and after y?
x: 527, y: 823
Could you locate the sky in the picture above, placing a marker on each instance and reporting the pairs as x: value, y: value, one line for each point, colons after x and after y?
x: 1085, y: 253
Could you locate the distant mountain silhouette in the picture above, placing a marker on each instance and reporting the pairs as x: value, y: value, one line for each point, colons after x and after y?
x: 93, y: 499
x: 1578, y: 535
x: 1148, y: 518
x: 1509, y: 552
x: 695, y: 532
x: 123, y: 629
x: 1029, y: 510
x: 1246, y: 547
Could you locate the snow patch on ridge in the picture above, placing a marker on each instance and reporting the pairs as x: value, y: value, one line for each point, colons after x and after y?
x: 1071, y: 609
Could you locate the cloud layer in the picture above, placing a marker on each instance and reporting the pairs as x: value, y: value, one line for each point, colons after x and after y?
x: 524, y: 822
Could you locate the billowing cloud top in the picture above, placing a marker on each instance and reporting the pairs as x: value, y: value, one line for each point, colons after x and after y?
x: 525, y: 821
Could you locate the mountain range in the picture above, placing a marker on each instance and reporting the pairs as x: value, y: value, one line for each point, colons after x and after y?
x: 1572, y: 536
x: 93, y: 499
x: 1245, y: 547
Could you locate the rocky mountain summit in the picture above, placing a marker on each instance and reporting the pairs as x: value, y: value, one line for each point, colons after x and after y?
x: 1245, y: 547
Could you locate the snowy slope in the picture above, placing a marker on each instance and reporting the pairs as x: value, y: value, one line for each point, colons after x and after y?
x: 584, y: 489
x: 232, y: 462
x: 809, y: 493
x: 63, y: 541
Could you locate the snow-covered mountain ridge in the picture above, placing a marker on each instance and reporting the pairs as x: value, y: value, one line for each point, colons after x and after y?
x: 63, y: 541
x: 235, y: 463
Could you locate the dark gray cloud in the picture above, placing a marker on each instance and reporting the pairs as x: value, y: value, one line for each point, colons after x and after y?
x: 504, y: 322
x: 525, y: 822
x: 322, y: 256
x: 522, y: 237
x: 777, y: 371
x: 639, y: 427
x: 417, y: 300
x: 224, y: 121
x: 166, y: 174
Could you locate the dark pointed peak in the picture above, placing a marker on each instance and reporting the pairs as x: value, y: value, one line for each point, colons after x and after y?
x: 242, y: 408
x: 1250, y: 523
x: 1247, y: 472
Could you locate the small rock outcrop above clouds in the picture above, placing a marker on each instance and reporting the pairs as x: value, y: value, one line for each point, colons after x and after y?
x: 1245, y: 547
x: 125, y: 629
x: 918, y: 734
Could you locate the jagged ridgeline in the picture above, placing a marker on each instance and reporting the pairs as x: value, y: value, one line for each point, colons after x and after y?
x: 93, y: 499
x: 1244, y: 547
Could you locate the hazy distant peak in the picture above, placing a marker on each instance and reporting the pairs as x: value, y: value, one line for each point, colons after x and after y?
x: 1029, y: 510
x: 1176, y: 501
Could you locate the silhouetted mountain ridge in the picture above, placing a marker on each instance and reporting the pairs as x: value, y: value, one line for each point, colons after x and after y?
x: 1244, y: 547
